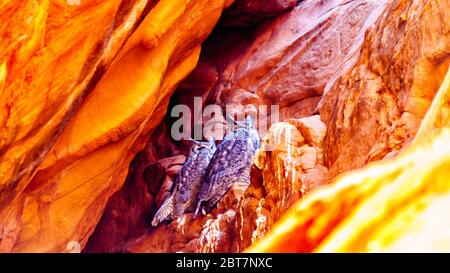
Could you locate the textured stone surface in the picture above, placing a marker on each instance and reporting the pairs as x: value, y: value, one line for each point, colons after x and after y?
x: 396, y: 205
x: 289, y: 60
x: 353, y: 98
x: 285, y: 61
x: 244, y: 13
x: 82, y: 87
x: 376, y: 107
x: 375, y: 111
x: 261, y: 66
x: 281, y: 176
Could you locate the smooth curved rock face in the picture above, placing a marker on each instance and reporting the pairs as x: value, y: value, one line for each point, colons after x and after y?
x: 290, y: 59
x: 83, y: 86
x: 48, y: 66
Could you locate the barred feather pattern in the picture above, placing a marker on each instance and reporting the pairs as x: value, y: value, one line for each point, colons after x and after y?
x: 230, y: 164
x: 186, y: 186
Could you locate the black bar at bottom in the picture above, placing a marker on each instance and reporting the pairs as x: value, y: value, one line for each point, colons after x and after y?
x: 223, y: 262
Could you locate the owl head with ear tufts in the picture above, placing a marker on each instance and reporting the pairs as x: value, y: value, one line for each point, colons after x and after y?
x: 246, y: 129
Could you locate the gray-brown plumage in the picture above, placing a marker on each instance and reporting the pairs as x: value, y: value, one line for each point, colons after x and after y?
x: 187, y: 184
x: 230, y: 164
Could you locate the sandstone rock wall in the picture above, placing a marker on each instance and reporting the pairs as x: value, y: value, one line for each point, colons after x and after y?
x: 376, y: 111
x: 286, y: 61
x: 377, y: 106
x: 396, y: 205
x: 83, y: 86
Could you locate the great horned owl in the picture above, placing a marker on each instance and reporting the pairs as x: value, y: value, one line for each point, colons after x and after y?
x: 230, y: 164
x: 187, y: 184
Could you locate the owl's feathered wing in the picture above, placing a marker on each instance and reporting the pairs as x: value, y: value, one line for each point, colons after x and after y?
x: 227, y: 166
x: 188, y: 186
x: 164, y: 212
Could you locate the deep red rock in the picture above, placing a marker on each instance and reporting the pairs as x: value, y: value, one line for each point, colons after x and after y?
x: 244, y: 13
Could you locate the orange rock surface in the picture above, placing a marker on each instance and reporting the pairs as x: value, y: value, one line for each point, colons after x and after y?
x: 324, y: 66
x: 394, y: 205
x: 82, y: 86
x: 261, y: 67
x: 375, y: 111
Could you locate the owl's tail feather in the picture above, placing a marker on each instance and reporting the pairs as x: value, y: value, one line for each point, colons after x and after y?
x: 164, y: 212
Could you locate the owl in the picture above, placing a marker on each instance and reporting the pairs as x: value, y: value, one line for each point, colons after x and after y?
x: 230, y: 164
x: 184, y: 195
